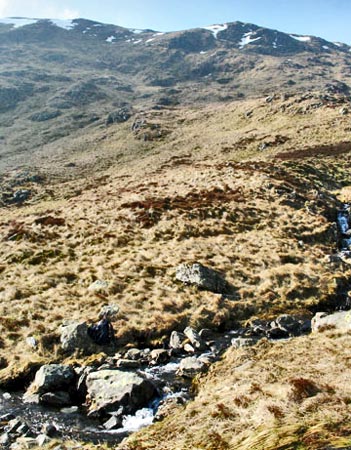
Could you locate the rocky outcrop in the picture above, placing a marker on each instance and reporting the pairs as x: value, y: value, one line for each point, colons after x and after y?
x: 202, y: 277
x: 74, y: 337
x: 119, y: 116
x: 109, y: 390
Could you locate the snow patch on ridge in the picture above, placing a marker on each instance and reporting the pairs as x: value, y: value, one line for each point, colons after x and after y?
x: 18, y: 22
x: 215, y: 29
x: 65, y: 24
x: 247, y: 39
x: 110, y: 39
x: 300, y: 38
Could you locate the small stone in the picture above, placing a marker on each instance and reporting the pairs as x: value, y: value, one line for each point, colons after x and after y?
x: 32, y: 342
x: 98, y: 286
x: 159, y: 356
x: 6, y: 396
x: 71, y: 410
x: 189, y: 348
x: 176, y: 340
x: 244, y: 342
x: 134, y: 353
x: 194, y: 338
x: 109, y: 311
x: 128, y: 364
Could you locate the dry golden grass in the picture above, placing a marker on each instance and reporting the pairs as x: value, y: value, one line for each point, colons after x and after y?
x: 266, y: 224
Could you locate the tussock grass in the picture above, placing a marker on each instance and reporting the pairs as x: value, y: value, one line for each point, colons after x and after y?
x: 203, y: 193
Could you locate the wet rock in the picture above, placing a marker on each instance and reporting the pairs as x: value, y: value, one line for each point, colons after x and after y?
x: 244, y: 342
x: 159, y: 356
x: 194, y: 338
x: 340, y: 321
x: 289, y: 323
x: 52, y: 377
x: 202, y: 277
x: 188, y: 348
x: 113, y: 423
x: 74, y: 336
x: 111, y: 389
x: 176, y: 340
x: 59, y: 398
x: 191, y: 366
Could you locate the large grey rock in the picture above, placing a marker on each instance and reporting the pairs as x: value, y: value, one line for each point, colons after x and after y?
x: 191, y: 366
x: 340, y: 321
x: 51, y: 378
x: 110, y: 389
x: 202, y: 277
x: 74, y: 336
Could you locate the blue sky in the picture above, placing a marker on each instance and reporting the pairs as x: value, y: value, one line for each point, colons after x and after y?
x: 330, y: 19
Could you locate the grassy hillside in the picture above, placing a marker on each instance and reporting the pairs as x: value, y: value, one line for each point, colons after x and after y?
x: 250, y: 189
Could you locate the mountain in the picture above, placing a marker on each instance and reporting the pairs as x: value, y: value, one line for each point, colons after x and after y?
x: 59, y: 77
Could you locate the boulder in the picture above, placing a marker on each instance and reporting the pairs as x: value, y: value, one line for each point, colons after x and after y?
x: 202, y: 277
x: 110, y: 389
x: 340, y: 321
x: 191, y: 366
x: 74, y: 336
x: 291, y: 324
x: 51, y: 378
